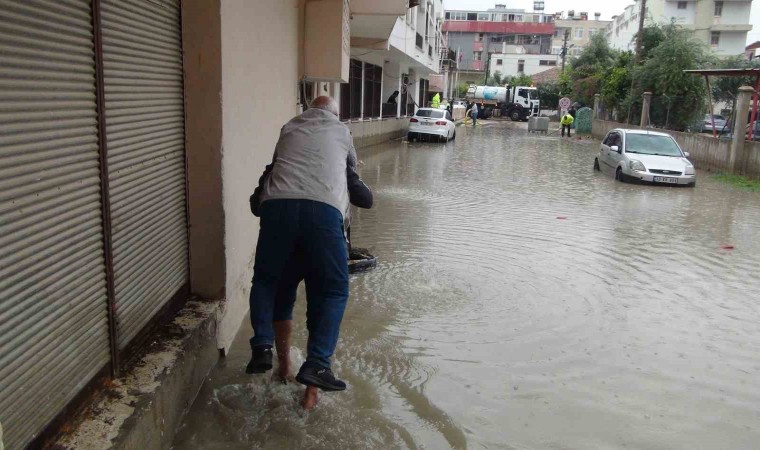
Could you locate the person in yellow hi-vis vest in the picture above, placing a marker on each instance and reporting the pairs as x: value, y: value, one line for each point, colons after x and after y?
x: 566, y: 122
x: 436, y: 102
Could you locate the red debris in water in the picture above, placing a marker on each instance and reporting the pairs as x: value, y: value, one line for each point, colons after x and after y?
x: 727, y: 247
x: 561, y: 217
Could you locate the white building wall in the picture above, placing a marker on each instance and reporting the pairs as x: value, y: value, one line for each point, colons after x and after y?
x: 731, y: 43
x: 510, y: 64
x: 682, y: 16
x: 256, y: 43
x: 735, y: 12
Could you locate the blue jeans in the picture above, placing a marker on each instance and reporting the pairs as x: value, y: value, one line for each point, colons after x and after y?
x: 300, y: 240
x: 474, y: 119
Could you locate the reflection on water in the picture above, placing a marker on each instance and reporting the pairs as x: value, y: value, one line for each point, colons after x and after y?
x: 524, y: 301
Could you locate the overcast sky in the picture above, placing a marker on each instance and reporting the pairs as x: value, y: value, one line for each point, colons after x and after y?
x: 608, y: 8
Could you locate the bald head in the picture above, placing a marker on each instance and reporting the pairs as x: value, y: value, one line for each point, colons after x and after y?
x: 326, y: 103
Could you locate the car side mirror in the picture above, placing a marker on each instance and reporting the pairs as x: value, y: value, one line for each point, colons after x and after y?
x: 686, y: 154
x: 615, y: 148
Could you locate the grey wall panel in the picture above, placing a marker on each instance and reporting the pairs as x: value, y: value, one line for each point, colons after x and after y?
x: 53, y: 306
x: 142, y: 61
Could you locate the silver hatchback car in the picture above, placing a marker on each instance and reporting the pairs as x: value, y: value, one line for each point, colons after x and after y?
x: 645, y: 156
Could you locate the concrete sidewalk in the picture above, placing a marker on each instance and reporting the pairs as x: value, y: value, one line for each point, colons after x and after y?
x: 142, y: 409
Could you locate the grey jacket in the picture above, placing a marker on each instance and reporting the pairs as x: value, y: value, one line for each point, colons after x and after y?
x: 311, y: 158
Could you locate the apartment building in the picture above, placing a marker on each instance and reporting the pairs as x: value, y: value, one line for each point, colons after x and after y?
x: 133, y: 134
x: 476, y: 35
x: 514, y: 64
x: 721, y: 25
x: 579, y: 29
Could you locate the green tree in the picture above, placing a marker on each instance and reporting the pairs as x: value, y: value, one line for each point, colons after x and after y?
x: 519, y: 80
x: 549, y: 94
x: 682, y: 96
x: 724, y: 89
x: 652, y: 37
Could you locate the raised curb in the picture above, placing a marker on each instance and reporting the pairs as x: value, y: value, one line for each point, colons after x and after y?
x: 143, y: 408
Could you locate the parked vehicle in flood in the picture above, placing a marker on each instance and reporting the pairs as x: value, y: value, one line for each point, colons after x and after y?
x: 432, y: 123
x: 645, y: 156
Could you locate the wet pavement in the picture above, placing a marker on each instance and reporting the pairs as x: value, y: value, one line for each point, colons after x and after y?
x: 522, y: 300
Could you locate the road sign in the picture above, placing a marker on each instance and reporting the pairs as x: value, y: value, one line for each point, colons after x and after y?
x: 564, y: 103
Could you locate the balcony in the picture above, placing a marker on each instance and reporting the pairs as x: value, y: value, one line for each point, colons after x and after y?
x: 383, y: 8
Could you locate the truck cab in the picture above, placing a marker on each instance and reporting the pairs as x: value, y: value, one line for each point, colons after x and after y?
x: 525, y: 103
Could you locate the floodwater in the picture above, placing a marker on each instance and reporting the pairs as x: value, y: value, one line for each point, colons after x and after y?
x: 523, y: 301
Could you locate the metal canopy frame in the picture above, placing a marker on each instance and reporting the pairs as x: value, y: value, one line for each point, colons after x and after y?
x: 732, y: 73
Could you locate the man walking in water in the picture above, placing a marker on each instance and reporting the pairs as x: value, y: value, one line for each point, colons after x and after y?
x: 302, y: 204
x: 474, y: 114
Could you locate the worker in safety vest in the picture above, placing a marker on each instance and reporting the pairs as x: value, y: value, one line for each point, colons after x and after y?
x: 566, y: 122
x: 436, y: 102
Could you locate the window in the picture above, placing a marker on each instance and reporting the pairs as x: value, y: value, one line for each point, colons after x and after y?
x: 556, y: 50
x: 715, y: 38
x: 682, y: 5
x: 484, y: 17
x: 520, y: 66
x: 591, y: 31
x: 448, y: 15
x: 480, y: 37
x: 612, y: 139
x: 477, y: 56
x: 432, y: 113
x: 499, y: 62
x: 472, y: 16
x: 351, y: 92
x: 558, y: 32
x: 718, y: 9
x: 547, y: 62
x: 579, y: 33
x: 373, y: 76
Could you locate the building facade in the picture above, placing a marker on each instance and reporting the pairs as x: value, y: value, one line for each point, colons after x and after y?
x: 579, y: 30
x: 515, y: 64
x: 721, y: 25
x: 133, y: 133
x: 476, y: 35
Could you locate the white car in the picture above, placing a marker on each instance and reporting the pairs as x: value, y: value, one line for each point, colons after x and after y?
x: 645, y: 156
x: 432, y: 123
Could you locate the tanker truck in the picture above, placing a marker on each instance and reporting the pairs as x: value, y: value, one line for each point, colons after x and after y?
x: 515, y: 102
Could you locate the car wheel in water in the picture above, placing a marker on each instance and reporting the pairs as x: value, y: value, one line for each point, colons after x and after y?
x: 596, y: 164
x: 454, y: 136
x: 619, y: 175
x: 515, y: 116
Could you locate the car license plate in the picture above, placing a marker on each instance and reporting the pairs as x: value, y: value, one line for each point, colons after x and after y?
x: 665, y: 180
x: 426, y: 123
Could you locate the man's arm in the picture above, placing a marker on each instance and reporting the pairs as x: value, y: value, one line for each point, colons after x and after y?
x: 358, y: 193
x: 255, y: 198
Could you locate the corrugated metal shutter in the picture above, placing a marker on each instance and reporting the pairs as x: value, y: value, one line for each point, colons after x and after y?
x: 53, y: 307
x: 142, y: 60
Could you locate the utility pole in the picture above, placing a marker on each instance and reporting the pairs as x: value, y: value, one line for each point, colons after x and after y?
x: 488, y: 57
x: 640, y: 35
x: 564, y: 48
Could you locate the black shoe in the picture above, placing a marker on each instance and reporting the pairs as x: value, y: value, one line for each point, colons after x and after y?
x: 319, y: 377
x: 261, y: 360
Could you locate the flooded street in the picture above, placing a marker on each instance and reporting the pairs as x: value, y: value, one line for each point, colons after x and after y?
x: 523, y: 300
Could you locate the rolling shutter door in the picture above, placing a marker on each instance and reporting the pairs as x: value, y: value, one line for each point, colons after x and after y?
x: 144, y: 104
x: 53, y: 309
